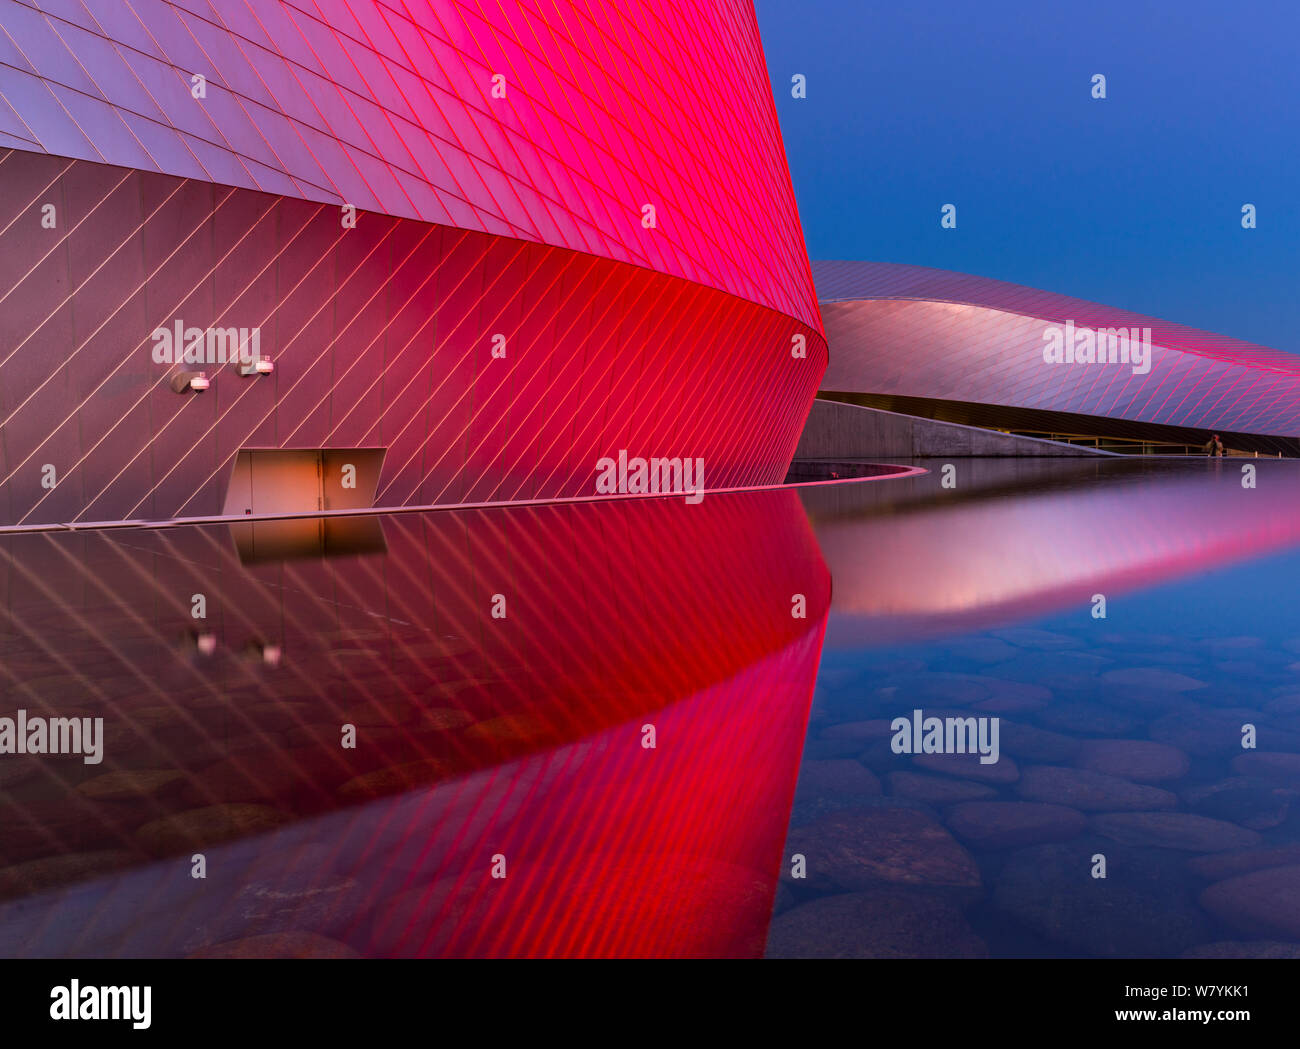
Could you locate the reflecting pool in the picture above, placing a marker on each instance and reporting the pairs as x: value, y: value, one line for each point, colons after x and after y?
x: 647, y: 727
x: 1133, y: 626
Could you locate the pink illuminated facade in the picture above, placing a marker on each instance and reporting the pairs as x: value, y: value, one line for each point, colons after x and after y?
x: 484, y: 247
x: 971, y: 350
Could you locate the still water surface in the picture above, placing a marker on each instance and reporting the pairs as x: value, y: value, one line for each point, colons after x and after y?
x: 608, y: 728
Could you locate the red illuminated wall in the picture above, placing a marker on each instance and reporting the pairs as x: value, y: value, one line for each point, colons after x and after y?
x: 520, y: 216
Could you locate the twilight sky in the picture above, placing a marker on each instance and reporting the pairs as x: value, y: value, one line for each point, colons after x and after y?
x: 1134, y: 201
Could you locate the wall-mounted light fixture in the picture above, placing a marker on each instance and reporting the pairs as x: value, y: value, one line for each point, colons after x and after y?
x: 266, y: 652
x: 204, y: 642
x: 261, y: 366
x: 196, y: 382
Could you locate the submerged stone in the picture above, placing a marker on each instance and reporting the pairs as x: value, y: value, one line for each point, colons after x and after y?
x: 1090, y: 791
x: 1145, y: 761
x: 937, y: 790
x: 1142, y: 908
x: 1007, y: 824
x: 882, y: 923
x: 1264, y: 902
x: 858, y: 849
x: 1174, y: 830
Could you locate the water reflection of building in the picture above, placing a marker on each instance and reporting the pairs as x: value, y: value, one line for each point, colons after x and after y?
x: 1019, y: 538
x: 520, y: 736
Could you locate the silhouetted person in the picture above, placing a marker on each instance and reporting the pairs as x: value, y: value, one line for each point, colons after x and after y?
x: 1214, y: 446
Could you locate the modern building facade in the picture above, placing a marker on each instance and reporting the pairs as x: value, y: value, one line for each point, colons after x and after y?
x: 271, y: 257
x: 982, y: 352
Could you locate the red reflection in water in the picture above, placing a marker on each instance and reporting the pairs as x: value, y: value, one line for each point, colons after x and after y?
x: 516, y: 735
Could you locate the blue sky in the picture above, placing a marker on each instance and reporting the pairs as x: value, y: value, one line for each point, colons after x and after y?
x: 1134, y: 201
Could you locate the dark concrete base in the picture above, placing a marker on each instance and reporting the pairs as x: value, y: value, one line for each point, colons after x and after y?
x: 835, y: 430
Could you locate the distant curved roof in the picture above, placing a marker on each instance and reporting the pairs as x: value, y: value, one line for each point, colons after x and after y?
x: 910, y: 332
x: 846, y: 280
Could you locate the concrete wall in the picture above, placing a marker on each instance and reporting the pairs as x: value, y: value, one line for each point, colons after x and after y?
x: 838, y: 430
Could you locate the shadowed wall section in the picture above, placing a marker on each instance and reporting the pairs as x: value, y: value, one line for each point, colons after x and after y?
x: 835, y: 430
x: 381, y: 337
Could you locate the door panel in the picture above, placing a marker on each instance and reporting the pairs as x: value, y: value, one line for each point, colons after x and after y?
x: 278, y: 482
x: 302, y: 480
